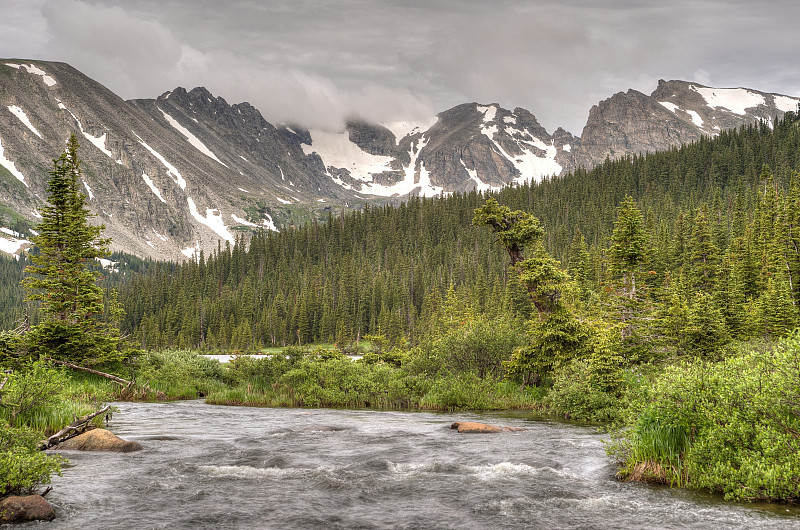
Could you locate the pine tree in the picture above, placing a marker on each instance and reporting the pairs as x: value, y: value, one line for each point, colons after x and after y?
x: 73, y: 328
x: 628, y: 246
x: 704, y: 254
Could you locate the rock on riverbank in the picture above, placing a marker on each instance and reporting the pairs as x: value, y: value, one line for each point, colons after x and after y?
x: 98, y: 440
x: 25, y: 509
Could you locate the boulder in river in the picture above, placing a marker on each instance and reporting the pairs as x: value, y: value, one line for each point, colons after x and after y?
x: 473, y: 427
x: 24, y: 509
x: 99, y: 440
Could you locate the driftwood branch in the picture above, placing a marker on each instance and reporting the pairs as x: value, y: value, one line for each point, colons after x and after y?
x: 118, y: 380
x: 73, y: 429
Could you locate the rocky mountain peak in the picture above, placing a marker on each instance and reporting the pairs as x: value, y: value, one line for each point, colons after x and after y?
x: 174, y: 175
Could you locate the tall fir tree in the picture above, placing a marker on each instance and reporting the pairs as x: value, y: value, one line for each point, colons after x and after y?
x: 76, y: 325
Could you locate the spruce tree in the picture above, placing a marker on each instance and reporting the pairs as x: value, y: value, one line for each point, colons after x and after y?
x: 74, y: 327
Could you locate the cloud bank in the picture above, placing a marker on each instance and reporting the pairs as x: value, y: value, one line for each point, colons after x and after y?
x: 318, y: 63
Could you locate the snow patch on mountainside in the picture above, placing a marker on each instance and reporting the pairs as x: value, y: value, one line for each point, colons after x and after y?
x: 88, y: 189
x: 489, y: 131
x: 9, y: 165
x: 14, y: 243
x: 191, y: 252
x: 531, y: 167
x: 270, y: 224
x: 192, y: 139
x: 11, y: 246
x: 786, y: 104
x: 20, y: 114
x: 98, y: 141
x: 401, y: 129
x: 336, y: 150
x: 696, y: 119
x: 213, y: 220
x: 488, y: 112
x: 736, y: 100
x: 160, y: 236
x: 242, y: 221
x: 412, y: 179
x: 174, y: 173
x: 479, y: 184
x: 152, y: 187
x: 33, y: 69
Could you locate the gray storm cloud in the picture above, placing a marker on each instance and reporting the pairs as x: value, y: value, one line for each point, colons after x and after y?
x: 317, y: 63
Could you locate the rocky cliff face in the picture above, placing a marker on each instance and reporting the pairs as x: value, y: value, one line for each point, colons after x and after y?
x: 177, y: 174
x: 676, y: 112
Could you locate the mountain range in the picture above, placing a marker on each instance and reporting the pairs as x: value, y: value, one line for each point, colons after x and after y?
x: 187, y: 171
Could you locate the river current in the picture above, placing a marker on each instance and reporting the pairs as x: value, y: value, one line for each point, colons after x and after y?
x: 207, y: 466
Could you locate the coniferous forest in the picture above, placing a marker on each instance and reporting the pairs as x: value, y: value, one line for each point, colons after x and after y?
x: 719, y: 220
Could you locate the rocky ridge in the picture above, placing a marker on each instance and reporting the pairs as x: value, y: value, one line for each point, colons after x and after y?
x: 183, y: 172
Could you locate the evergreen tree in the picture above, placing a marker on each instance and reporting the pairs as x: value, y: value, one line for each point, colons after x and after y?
x: 628, y: 246
x: 704, y: 254
x: 72, y: 302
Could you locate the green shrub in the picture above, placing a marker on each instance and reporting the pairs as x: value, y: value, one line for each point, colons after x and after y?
x: 34, y: 388
x: 179, y: 374
x: 476, y: 346
x: 729, y: 427
x: 575, y: 394
x: 23, y: 468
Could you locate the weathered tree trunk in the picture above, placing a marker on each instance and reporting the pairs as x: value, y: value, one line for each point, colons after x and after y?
x: 73, y: 429
x: 118, y: 380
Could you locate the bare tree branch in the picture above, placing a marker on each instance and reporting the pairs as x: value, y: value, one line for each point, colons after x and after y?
x: 73, y: 429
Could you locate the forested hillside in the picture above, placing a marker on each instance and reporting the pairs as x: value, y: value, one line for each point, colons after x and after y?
x: 720, y: 219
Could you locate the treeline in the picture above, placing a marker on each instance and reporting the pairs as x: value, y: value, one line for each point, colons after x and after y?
x: 718, y: 217
x: 11, y: 293
x: 15, y: 313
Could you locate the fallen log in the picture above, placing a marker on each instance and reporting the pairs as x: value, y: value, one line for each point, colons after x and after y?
x: 73, y: 429
x: 118, y: 380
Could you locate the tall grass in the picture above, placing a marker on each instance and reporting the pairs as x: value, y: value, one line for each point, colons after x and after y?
x: 340, y: 383
x: 51, y: 419
x: 176, y: 374
x: 656, y: 452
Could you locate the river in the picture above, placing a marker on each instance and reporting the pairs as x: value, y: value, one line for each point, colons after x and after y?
x: 207, y: 466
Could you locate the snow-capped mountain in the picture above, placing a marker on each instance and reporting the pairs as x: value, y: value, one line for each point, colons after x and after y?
x: 167, y: 177
x: 183, y: 172
x: 469, y: 146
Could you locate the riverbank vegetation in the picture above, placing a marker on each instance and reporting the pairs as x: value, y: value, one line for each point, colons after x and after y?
x: 658, y: 294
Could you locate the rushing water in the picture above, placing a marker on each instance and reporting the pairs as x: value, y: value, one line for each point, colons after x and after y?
x: 206, y: 466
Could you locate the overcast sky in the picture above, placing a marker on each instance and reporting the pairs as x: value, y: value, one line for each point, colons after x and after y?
x: 318, y: 61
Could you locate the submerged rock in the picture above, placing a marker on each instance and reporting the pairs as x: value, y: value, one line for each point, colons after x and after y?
x: 99, y: 440
x: 472, y: 427
x: 24, y: 509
